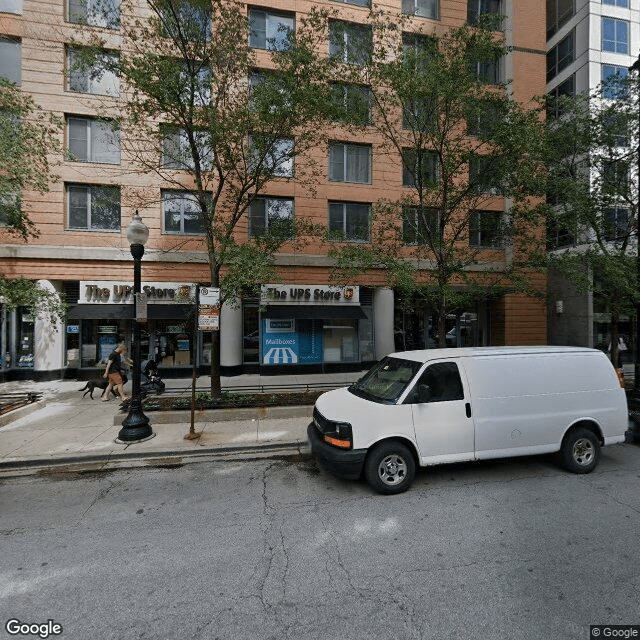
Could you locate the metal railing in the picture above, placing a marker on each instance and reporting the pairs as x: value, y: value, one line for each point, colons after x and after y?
x: 265, y: 388
x: 15, y: 400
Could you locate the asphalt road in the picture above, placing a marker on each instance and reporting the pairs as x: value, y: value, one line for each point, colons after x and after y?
x: 274, y: 549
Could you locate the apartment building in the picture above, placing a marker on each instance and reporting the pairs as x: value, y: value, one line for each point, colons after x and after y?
x: 587, y: 43
x: 301, y: 321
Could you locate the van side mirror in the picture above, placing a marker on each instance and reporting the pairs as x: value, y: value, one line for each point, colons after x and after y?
x: 424, y: 393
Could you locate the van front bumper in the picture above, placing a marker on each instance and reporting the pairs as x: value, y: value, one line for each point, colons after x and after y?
x: 345, y: 463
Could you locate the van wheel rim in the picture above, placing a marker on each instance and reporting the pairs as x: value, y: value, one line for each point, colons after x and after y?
x: 583, y: 452
x: 392, y: 470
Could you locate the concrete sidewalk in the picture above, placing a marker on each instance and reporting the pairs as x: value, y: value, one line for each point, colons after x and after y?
x: 66, y: 432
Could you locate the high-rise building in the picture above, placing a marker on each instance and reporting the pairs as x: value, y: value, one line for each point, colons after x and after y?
x: 82, y: 252
x: 587, y: 44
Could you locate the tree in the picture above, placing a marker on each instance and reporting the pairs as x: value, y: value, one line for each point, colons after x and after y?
x: 466, y: 148
x: 219, y: 105
x: 593, y: 190
x: 28, y: 135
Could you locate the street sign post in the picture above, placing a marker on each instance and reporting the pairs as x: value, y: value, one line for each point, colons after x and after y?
x: 209, y: 309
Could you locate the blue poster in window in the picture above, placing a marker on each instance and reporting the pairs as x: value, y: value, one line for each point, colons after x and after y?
x: 106, y: 344
x: 279, y: 341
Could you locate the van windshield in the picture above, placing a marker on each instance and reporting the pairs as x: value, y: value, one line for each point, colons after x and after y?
x: 386, y: 381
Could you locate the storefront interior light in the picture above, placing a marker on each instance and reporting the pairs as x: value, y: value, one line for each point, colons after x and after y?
x: 137, y: 231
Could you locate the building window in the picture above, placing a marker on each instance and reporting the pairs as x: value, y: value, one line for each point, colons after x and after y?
x: 616, y: 223
x: 485, y: 229
x: 96, y: 13
x: 419, y: 224
x: 559, y: 235
x: 351, y: 103
x: 10, y: 208
x: 419, y: 168
x: 182, y: 213
x: 484, y: 174
x: 613, y: 81
x: 350, y: 42
x: 615, y: 177
x: 11, y: 60
x: 484, y: 117
x: 616, y: 130
x: 566, y: 88
x: 617, y: 3
x: 559, y: 12
x: 349, y: 162
x: 615, y: 35
x: 269, y: 93
x: 420, y: 114
x: 561, y: 56
x: 421, y: 8
x: 349, y: 221
x: 177, y: 152
x: 273, y: 216
x: 270, y: 30
x: 485, y: 71
x: 98, y: 79
x: 10, y: 6
x: 93, y: 208
x: 183, y: 20
x: 274, y: 157
x: 91, y: 140
x: 418, y: 50
x: 357, y: 3
x: 195, y: 87
x: 477, y: 8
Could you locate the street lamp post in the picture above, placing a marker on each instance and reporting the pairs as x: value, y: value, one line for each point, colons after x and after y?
x: 636, y: 369
x: 136, y: 425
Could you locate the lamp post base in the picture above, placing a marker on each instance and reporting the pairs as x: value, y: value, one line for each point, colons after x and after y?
x: 135, y: 427
x: 151, y: 437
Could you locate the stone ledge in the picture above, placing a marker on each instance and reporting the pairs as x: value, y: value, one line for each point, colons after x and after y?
x: 222, y: 415
x: 21, y: 412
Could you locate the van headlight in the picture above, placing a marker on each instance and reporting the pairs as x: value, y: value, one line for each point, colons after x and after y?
x: 340, y: 436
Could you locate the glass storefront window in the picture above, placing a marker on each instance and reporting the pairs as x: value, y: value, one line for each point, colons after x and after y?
x: 250, y: 333
x: 365, y: 336
x: 73, y: 344
x: 173, y: 345
x: 26, y: 327
x: 98, y: 338
x: 416, y: 327
x: 340, y: 340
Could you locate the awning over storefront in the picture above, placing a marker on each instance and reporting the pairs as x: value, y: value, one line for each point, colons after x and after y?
x: 305, y: 312
x: 125, y: 311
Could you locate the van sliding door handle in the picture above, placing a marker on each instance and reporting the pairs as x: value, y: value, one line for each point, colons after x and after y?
x: 467, y: 407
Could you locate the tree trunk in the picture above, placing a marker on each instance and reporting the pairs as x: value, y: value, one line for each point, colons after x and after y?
x: 216, y: 388
x: 442, y: 328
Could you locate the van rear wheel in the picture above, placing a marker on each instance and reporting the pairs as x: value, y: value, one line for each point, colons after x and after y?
x: 580, y: 450
x: 390, y: 468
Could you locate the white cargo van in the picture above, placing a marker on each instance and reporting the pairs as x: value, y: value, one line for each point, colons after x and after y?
x: 451, y: 405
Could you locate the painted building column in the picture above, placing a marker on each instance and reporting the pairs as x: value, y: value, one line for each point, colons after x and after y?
x: 231, y: 335
x: 49, y: 338
x: 383, y: 302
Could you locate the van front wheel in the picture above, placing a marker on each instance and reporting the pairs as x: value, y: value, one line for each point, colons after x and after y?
x: 580, y: 451
x: 390, y: 468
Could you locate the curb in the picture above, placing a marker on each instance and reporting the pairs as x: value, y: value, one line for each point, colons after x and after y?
x: 158, y: 459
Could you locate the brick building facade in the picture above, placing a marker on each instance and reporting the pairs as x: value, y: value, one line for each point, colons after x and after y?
x: 82, y: 252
